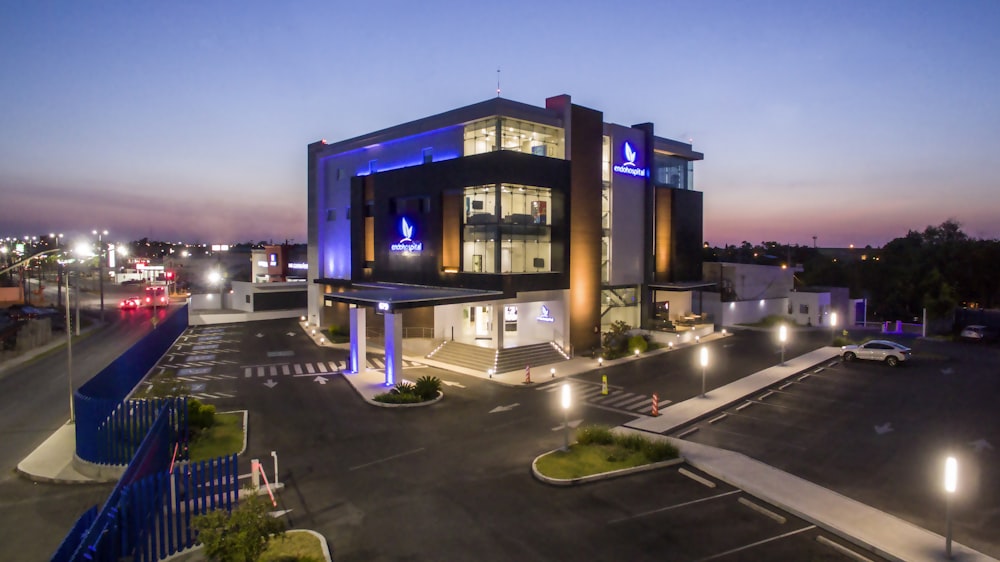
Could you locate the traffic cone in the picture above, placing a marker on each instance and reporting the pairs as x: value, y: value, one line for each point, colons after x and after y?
x: 604, y: 385
x: 527, y: 374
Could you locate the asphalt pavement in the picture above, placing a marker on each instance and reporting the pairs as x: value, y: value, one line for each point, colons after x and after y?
x: 873, y: 530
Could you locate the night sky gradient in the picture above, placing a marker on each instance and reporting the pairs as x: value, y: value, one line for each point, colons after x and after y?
x: 851, y: 121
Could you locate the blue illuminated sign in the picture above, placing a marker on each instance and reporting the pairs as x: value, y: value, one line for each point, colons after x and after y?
x: 406, y: 245
x: 629, y: 167
x: 545, y: 316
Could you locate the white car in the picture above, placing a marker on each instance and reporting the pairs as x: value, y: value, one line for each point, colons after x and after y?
x: 890, y: 352
x: 978, y: 333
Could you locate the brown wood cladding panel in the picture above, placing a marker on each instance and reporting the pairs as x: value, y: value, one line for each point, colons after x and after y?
x: 587, y: 134
x: 369, y: 238
x: 662, y: 234
x: 451, y: 230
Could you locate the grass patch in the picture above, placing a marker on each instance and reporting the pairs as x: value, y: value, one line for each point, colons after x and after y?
x: 586, y: 460
x: 224, y: 438
x: 299, y: 547
x: 600, y: 450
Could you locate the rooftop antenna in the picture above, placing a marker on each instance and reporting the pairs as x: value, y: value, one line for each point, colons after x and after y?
x: 498, y: 81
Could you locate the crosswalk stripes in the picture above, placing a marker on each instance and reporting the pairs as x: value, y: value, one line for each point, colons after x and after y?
x: 313, y: 368
x: 591, y: 393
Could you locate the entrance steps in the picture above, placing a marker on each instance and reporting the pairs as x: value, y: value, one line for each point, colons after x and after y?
x: 500, y: 360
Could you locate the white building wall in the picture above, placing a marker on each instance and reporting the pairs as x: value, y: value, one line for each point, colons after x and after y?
x: 743, y: 312
x: 529, y: 328
x: 628, y: 215
x: 750, y: 281
x: 809, y: 309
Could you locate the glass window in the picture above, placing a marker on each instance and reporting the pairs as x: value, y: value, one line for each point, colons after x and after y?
x: 671, y: 171
x: 507, y: 229
x: 516, y: 135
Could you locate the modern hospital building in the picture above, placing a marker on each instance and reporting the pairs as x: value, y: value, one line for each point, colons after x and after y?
x: 502, y: 224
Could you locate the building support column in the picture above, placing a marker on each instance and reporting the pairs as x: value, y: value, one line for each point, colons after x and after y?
x: 499, y: 321
x: 358, y: 338
x: 393, y: 347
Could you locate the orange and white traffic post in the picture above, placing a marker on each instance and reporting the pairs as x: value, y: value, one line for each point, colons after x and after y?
x: 656, y: 405
x: 527, y: 374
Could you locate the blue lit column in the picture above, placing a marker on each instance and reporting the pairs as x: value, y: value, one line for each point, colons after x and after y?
x: 393, y: 347
x: 358, y: 332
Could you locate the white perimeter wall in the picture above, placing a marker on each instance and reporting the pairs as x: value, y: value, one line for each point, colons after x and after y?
x: 743, y: 312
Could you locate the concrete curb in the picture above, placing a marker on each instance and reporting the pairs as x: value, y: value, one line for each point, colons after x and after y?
x: 437, y: 399
x: 596, y: 477
x: 189, y: 553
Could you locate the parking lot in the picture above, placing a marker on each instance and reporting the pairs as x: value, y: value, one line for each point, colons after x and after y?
x: 880, y: 435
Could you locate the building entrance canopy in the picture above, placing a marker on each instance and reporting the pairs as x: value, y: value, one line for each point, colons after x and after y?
x: 389, y: 299
x: 393, y: 297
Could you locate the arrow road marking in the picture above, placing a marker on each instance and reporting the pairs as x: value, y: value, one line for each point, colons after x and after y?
x: 980, y: 444
x: 279, y: 513
x: 883, y: 429
x: 289, y: 333
x: 450, y: 383
x: 270, y: 383
x: 504, y: 408
x: 572, y: 424
x: 259, y: 335
x: 947, y: 371
x: 320, y: 380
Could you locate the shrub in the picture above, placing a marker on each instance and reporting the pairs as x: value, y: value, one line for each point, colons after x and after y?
x: 657, y: 451
x: 638, y: 342
x: 239, y: 535
x: 200, y: 416
x: 427, y: 387
x: 394, y: 397
x: 595, y: 434
x: 841, y: 341
x: 631, y: 441
x: 403, y: 387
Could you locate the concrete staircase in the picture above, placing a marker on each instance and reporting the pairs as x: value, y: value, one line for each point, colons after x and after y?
x: 503, y: 360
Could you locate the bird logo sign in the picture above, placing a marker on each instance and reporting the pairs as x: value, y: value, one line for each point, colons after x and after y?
x: 406, y: 244
x: 629, y: 167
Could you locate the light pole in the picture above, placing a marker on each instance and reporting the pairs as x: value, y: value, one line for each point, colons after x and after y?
x: 100, y: 264
x: 69, y: 356
x: 704, y: 365
x: 565, y: 406
x: 950, y: 485
x: 833, y: 324
x: 783, y: 336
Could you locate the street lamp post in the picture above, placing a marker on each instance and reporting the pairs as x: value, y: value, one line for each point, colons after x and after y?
x: 833, y: 324
x: 100, y: 264
x: 783, y: 336
x: 704, y: 365
x: 69, y: 356
x: 950, y: 485
x: 565, y: 406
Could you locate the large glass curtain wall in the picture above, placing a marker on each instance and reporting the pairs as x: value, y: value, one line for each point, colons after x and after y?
x: 672, y: 171
x: 507, y: 229
x: 514, y: 134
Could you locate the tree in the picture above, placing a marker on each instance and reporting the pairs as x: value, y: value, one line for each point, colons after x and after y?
x: 239, y: 535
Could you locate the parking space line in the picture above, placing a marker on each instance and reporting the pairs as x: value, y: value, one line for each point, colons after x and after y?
x: 718, y: 418
x: 758, y: 543
x: 687, y: 432
x: 842, y: 549
x: 743, y: 406
x: 786, y: 385
x: 672, y: 507
x: 696, y: 478
x: 763, y: 510
x: 353, y: 468
x: 804, y: 377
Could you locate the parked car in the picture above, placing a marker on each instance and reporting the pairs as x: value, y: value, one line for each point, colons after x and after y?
x: 979, y: 333
x: 889, y: 352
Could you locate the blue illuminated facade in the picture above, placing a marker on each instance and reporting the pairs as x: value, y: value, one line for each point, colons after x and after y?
x: 550, y: 207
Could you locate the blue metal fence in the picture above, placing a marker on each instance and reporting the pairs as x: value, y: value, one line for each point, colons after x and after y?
x: 149, y: 514
x: 106, y: 427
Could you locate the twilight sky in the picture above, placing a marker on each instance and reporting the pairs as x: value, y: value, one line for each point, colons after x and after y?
x: 852, y: 121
